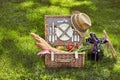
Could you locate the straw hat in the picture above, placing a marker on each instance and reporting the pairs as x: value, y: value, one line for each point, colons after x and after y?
x: 81, y: 23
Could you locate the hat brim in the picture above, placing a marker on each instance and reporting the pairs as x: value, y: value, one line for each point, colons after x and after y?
x: 76, y: 27
x: 82, y: 27
x: 85, y: 19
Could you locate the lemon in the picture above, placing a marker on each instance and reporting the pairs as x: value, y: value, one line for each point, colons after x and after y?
x: 61, y: 48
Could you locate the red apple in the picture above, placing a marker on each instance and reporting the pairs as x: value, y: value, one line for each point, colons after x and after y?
x: 69, y: 47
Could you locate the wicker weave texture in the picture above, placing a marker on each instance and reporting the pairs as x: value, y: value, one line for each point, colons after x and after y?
x: 65, y: 60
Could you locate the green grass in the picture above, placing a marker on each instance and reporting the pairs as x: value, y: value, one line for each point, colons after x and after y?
x: 18, y: 59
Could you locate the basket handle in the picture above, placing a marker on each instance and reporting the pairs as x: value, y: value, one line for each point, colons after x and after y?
x: 64, y: 60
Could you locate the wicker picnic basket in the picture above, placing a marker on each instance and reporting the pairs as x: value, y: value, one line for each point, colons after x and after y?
x: 59, y: 32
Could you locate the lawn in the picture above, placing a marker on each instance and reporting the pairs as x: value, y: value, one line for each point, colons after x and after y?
x: 18, y: 59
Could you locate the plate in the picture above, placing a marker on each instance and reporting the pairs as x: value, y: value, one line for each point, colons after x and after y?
x: 64, y: 32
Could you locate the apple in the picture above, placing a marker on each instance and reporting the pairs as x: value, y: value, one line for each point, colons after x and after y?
x: 69, y: 47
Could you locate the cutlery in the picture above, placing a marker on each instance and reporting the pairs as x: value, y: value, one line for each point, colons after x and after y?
x: 50, y: 31
x: 64, y: 20
x: 53, y: 36
x: 72, y: 38
x: 78, y: 38
x: 75, y: 36
x: 55, y: 33
x: 49, y: 38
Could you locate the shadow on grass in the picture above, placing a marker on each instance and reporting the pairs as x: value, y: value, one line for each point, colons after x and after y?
x: 27, y: 59
x: 15, y: 18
